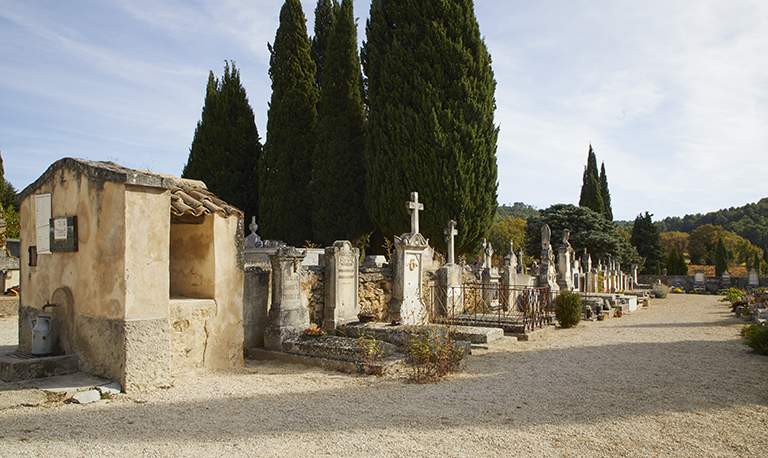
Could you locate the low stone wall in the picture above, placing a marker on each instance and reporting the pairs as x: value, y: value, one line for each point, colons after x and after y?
x: 712, y: 284
x: 375, y: 290
x: 313, y: 288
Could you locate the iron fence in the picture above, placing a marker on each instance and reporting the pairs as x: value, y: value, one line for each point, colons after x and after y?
x: 514, y: 308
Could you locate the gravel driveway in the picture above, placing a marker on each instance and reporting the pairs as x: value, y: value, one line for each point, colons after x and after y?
x: 669, y: 380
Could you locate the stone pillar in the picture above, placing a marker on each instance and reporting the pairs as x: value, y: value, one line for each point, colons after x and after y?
x: 449, y: 278
x: 547, y: 274
x: 564, y: 275
x: 407, y: 303
x: 491, y: 287
x: 341, y: 284
x: 288, y: 316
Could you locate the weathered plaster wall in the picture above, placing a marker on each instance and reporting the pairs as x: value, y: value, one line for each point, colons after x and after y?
x: 207, y: 332
x: 192, y: 268
x: 257, y: 295
x: 225, y: 331
x: 93, y: 274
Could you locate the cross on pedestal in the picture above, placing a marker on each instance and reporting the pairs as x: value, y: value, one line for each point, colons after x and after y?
x: 450, y: 231
x: 413, y: 208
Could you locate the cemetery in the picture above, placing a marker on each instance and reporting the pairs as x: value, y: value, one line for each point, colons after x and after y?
x: 158, y: 282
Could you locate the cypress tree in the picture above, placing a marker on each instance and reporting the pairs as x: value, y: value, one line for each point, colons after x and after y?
x: 226, y: 147
x: 338, y: 182
x: 676, y: 263
x: 721, y: 258
x: 591, y: 194
x: 430, y: 90
x: 325, y: 12
x: 605, y: 194
x: 285, y: 202
x: 591, y: 197
x: 646, y: 238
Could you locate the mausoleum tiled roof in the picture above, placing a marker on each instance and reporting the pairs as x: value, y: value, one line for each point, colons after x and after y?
x: 188, y: 197
x: 193, y: 201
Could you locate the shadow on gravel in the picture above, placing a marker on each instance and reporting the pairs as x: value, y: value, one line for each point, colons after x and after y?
x: 507, y: 390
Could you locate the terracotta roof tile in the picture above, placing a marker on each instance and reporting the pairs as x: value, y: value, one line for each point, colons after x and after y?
x: 193, y: 201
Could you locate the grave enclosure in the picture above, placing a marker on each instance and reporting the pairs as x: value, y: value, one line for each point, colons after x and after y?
x: 145, y: 276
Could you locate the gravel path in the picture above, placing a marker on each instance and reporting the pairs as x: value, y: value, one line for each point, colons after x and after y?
x: 670, y: 380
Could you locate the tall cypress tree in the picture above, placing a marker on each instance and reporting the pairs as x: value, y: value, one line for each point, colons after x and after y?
x: 721, y: 258
x: 591, y: 194
x: 325, y: 13
x: 605, y: 194
x: 285, y: 202
x: 646, y: 238
x: 338, y: 182
x: 430, y: 90
x: 226, y: 147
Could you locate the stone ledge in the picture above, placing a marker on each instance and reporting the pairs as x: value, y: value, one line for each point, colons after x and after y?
x: 15, y: 367
x: 350, y: 367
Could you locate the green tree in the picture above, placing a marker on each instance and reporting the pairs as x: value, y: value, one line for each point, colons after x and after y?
x: 605, y: 194
x: 676, y: 263
x: 325, y: 12
x: 503, y: 231
x: 588, y: 230
x: 430, y: 95
x: 226, y: 147
x: 339, y: 173
x: 591, y: 195
x: 721, y: 258
x: 646, y: 238
x: 285, y: 201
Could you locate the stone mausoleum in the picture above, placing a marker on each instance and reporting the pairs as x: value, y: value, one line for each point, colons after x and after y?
x: 141, y: 274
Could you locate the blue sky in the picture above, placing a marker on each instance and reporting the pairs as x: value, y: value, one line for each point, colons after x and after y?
x: 672, y: 95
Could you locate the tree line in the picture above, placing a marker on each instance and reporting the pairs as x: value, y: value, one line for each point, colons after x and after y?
x: 350, y: 133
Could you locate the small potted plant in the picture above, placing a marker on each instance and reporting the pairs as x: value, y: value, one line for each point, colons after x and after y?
x: 314, y: 331
x: 367, y: 314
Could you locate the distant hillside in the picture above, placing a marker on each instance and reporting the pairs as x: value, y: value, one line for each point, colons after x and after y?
x: 749, y: 221
x: 517, y: 210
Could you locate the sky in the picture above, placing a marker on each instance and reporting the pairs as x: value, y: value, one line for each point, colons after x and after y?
x: 673, y: 96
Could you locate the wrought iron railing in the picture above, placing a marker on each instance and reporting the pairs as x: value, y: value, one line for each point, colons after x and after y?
x: 514, y: 308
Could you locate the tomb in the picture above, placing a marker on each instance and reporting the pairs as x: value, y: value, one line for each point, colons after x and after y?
x: 141, y: 274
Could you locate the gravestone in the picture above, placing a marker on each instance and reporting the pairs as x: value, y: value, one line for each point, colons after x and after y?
x: 487, y: 254
x: 407, y: 303
x: 547, y: 273
x: 288, y: 316
x: 449, y: 277
x: 564, y: 274
x: 341, y: 284
x: 510, y: 260
x: 698, y: 281
x: 725, y: 280
x: 754, y: 280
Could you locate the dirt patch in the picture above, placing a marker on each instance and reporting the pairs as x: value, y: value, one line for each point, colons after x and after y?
x: 9, y: 305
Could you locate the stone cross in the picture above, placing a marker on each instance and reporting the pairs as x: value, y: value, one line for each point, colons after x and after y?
x: 413, y: 208
x: 450, y: 232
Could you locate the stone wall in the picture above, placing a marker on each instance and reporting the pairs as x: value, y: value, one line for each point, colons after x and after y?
x: 713, y: 284
x: 375, y: 290
x: 312, y: 287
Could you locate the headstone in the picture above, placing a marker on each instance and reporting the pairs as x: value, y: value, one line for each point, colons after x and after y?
x: 520, y: 265
x: 450, y: 232
x: 698, y: 281
x: 288, y: 316
x: 510, y: 260
x: 564, y: 274
x: 374, y: 261
x: 407, y: 304
x: 547, y: 273
x: 754, y: 280
x: 341, y: 284
x: 725, y: 280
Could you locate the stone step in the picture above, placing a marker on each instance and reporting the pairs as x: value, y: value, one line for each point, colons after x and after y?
x: 381, y: 366
x: 17, y: 366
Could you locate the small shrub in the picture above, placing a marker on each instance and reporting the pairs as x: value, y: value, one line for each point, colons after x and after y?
x: 756, y: 337
x: 431, y: 354
x: 372, y: 354
x: 660, y: 290
x: 568, y: 309
x: 733, y: 295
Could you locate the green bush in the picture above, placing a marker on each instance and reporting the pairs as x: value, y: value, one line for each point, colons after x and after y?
x: 660, y: 290
x: 568, y: 309
x: 431, y: 354
x: 756, y: 337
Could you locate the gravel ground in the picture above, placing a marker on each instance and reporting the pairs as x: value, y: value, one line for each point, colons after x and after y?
x: 669, y: 380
